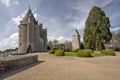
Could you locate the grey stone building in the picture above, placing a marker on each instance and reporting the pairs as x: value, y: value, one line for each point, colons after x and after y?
x: 76, y: 40
x: 32, y: 36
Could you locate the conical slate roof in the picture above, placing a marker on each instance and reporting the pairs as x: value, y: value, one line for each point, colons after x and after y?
x: 76, y: 32
x: 27, y: 15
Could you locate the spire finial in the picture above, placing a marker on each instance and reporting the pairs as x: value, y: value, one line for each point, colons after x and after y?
x: 29, y: 7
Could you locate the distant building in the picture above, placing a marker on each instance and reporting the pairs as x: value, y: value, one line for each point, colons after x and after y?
x: 32, y: 36
x: 76, y: 40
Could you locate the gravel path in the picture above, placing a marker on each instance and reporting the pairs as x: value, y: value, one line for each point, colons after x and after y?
x: 51, y: 67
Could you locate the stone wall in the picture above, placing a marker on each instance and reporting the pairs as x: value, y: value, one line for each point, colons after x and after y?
x: 16, y: 61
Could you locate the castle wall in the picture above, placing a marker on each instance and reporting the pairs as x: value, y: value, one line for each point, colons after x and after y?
x: 22, y: 46
x: 36, y: 39
x: 45, y: 40
x: 31, y: 33
x: 14, y: 62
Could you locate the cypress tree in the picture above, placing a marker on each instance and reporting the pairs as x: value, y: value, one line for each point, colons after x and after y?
x: 97, y: 29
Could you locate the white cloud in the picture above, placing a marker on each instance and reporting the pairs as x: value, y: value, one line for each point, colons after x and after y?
x: 10, y: 42
x: 85, y: 5
x: 8, y: 3
x: 80, y: 24
x: 16, y: 20
x: 115, y: 29
x: 61, y: 39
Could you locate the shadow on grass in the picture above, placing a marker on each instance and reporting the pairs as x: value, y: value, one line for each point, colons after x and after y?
x: 12, y: 72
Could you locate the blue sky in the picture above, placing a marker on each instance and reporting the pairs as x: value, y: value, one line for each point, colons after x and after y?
x: 59, y: 16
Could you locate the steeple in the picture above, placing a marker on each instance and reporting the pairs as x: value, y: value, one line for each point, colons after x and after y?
x: 76, y: 32
x: 75, y: 40
x: 28, y: 15
x: 29, y: 8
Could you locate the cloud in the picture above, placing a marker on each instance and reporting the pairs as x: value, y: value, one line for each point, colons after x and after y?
x: 8, y: 3
x: 79, y: 24
x: 61, y: 39
x: 115, y: 29
x: 16, y: 20
x: 81, y: 10
x: 85, y: 5
x: 10, y: 42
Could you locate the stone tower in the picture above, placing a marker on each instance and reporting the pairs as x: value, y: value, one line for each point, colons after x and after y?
x: 75, y: 40
x: 32, y: 36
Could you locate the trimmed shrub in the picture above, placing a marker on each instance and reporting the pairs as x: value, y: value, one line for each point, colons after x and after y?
x: 108, y: 52
x: 85, y: 53
x: 51, y: 51
x: 59, y: 53
x: 76, y: 50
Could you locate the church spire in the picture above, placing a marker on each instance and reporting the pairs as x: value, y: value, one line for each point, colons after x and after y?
x: 29, y: 8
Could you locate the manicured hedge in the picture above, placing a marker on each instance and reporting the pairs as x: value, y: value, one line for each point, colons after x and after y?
x: 108, y: 52
x: 59, y: 53
x: 76, y: 50
x: 85, y: 53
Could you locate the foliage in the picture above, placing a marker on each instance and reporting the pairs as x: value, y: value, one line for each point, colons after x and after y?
x: 76, y: 50
x: 108, y: 52
x: 68, y: 45
x: 97, y: 54
x: 97, y: 30
x: 82, y: 45
x: 59, y: 53
x: 85, y: 53
x: 70, y: 53
x: 51, y: 51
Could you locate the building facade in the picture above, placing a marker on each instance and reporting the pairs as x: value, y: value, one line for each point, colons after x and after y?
x: 32, y: 36
x: 76, y: 40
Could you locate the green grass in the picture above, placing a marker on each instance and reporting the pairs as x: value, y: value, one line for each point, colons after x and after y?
x: 94, y: 54
x: 97, y: 54
x: 70, y: 53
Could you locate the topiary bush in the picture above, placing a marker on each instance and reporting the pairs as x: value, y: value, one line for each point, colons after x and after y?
x: 59, y: 53
x: 108, y: 52
x: 85, y: 53
x: 76, y: 50
x: 51, y: 51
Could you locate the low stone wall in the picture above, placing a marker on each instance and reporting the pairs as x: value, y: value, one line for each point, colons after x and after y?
x: 13, y: 62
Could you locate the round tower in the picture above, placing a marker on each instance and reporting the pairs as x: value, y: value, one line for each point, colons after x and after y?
x: 22, y: 43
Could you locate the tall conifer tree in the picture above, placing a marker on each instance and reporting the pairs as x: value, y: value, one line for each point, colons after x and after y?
x: 97, y: 29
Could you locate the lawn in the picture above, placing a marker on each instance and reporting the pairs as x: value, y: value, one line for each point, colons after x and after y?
x: 95, y: 54
x: 70, y: 53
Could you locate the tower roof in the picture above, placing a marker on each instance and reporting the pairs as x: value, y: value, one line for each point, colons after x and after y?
x: 76, y: 32
x: 27, y: 15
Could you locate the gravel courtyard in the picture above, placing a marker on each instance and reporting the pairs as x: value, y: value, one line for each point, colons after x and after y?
x: 51, y: 67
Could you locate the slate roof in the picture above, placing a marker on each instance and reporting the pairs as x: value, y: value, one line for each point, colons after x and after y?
x: 27, y: 15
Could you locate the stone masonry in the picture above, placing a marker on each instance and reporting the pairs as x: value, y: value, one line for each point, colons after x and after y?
x: 16, y: 61
x: 32, y: 36
x: 75, y: 40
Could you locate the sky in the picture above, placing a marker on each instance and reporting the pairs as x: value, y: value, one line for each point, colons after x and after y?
x: 60, y: 17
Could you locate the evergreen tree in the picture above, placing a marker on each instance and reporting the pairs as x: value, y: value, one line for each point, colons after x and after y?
x: 97, y: 29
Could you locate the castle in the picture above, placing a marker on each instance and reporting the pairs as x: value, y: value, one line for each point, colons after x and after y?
x: 76, y: 44
x: 32, y: 36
